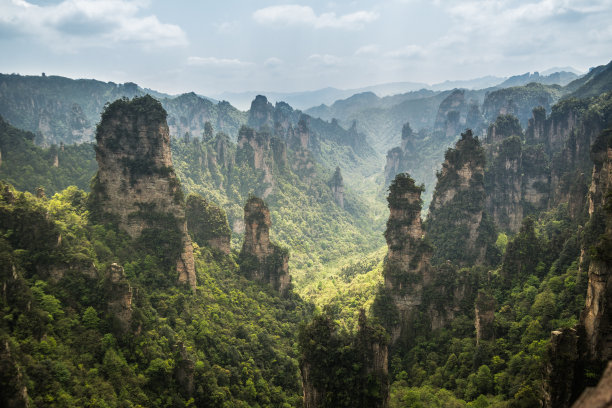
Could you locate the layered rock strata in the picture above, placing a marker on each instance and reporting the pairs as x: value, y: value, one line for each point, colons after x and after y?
x: 136, y: 185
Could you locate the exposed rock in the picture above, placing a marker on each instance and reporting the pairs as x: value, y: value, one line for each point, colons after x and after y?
x: 261, y: 259
x: 298, y: 140
x: 600, y: 396
x: 403, y: 158
x: 13, y: 389
x: 407, y: 268
x: 451, y: 114
x: 560, y: 369
x: 262, y: 152
x: 207, y: 224
x: 504, y: 185
x: 261, y: 113
x: 458, y: 225
x: 594, y: 333
x: 484, y: 309
x: 597, y: 314
x: 325, y: 350
x: 136, y: 184
x: 185, y: 370
x: 337, y: 187
x: 536, y: 128
x: 120, y: 297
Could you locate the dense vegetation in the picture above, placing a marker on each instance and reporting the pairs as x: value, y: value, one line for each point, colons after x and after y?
x: 230, y: 343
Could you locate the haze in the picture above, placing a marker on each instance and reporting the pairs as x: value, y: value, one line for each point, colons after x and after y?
x: 213, y: 47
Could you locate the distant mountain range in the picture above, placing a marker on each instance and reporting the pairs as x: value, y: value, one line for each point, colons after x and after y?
x: 306, y: 99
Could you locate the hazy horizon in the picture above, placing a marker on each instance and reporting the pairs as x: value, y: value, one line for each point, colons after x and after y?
x: 289, y: 47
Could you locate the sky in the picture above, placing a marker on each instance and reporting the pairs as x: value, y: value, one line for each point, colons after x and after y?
x: 243, y: 45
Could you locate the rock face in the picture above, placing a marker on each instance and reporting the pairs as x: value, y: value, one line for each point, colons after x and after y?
x: 458, y: 225
x: 517, y: 176
x: 407, y: 268
x: 561, y: 370
x: 207, y: 224
x: 136, y: 185
x: 325, y: 351
x: 484, y: 310
x: 452, y: 114
x: 401, y: 159
x: 299, y: 141
x: 600, y: 396
x: 260, y: 259
x: 575, y: 352
x: 337, y: 187
x: 597, y: 314
x: 262, y: 151
x: 120, y: 301
x: 15, y: 392
x: 503, y: 101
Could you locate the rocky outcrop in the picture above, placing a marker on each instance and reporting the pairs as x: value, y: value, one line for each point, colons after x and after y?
x: 260, y: 259
x: 325, y: 351
x: 518, y: 101
x: 136, y: 185
x: 120, y: 298
x: 299, y: 141
x: 600, y: 396
x: 574, y: 353
x: 518, y: 174
x: 262, y: 152
x: 403, y: 158
x: 484, y: 310
x: 407, y: 269
x: 336, y: 184
x: 451, y: 116
x: 597, y: 314
x: 261, y: 114
x: 561, y: 368
x: 457, y: 225
x: 207, y: 224
x: 13, y: 390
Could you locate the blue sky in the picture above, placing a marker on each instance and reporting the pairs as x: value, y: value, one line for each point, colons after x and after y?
x: 238, y: 45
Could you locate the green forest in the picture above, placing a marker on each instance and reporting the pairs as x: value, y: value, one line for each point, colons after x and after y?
x: 269, y: 260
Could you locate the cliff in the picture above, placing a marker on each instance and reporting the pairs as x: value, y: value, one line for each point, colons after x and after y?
x: 261, y: 152
x: 207, y: 224
x: 451, y: 116
x: 457, y: 225
x: 136, y: 186
x: 361, y: 358
x: 260, y: 259
x: 597, y: 314
x: 517, y: 175
x: 407, y: 269
x: 520, y: 101
x: 578, y: 356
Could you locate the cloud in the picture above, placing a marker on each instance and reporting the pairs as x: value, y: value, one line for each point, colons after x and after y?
x: 217, y: 62
x: 227, y: 27
x: 325, y: 59
x: 73, y: 24
x: 367, y: 49
x: 293, y: 14
x: 407, y: 51
x: 273, y: 62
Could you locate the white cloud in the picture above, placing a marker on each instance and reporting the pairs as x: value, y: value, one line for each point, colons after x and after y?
x: 325, y: 59
x: 217, y: 62
x: 293, y: 14
x: 74, y: 24
x: 369, y: 49
x: 407, y: 51
x: 227, y: 27
x: 273, y: 62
